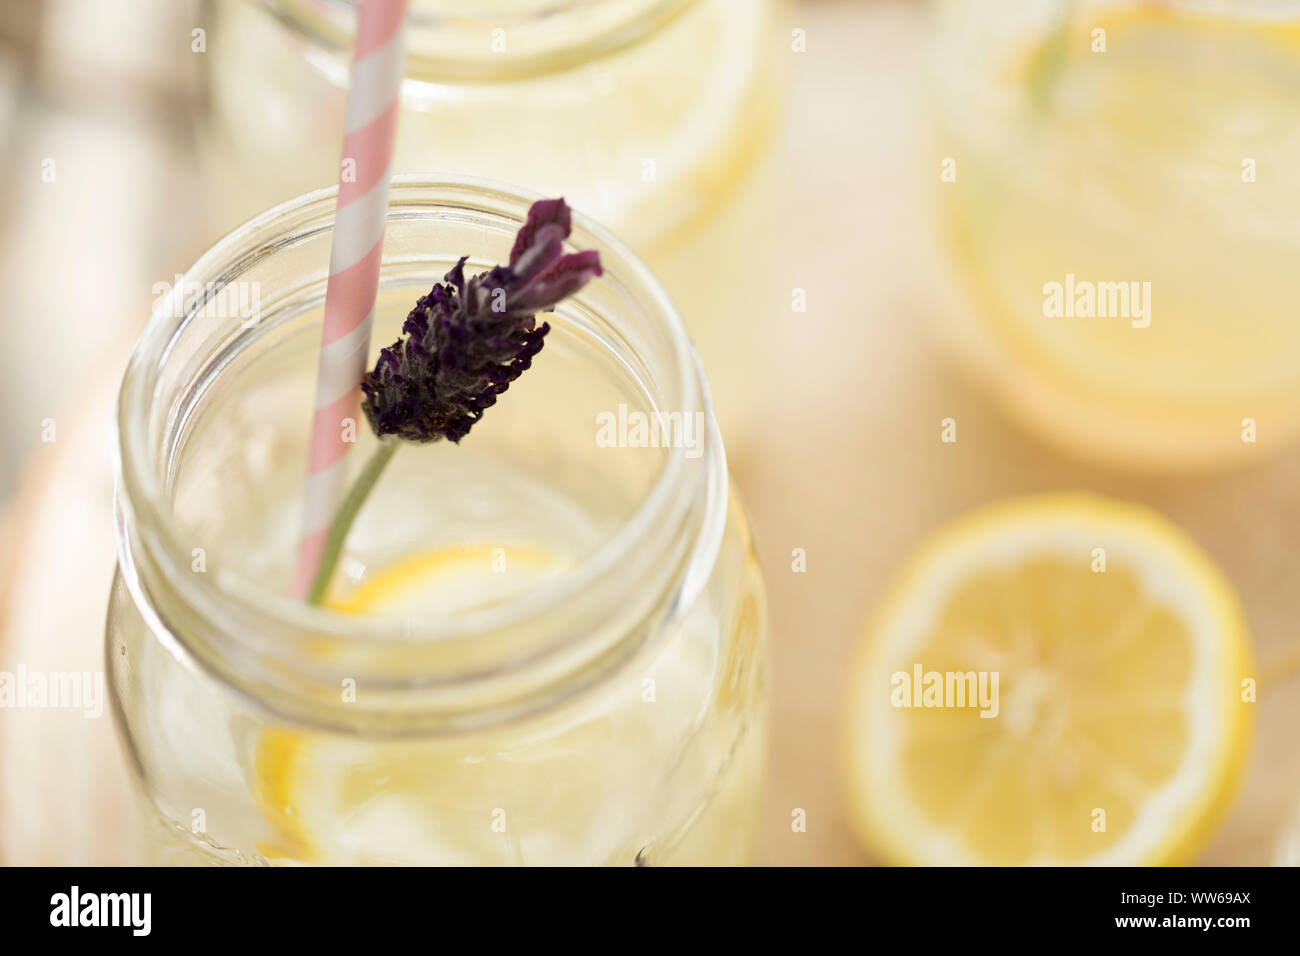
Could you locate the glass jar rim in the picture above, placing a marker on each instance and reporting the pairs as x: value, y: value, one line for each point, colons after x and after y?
x: 141, y: 493
x: 966, y: 105
x: 328, y: 26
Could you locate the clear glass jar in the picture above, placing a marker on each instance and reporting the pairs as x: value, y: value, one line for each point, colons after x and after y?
x: 642, y: 112
x: 1120, y: 203
x: 560, y: 656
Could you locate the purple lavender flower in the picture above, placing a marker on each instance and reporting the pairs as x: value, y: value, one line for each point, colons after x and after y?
x: 466, y: 341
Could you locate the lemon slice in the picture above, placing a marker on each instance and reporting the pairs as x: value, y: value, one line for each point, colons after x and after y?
x: 434, y: 582
x: 1111, y: 654
x: 337, y: 800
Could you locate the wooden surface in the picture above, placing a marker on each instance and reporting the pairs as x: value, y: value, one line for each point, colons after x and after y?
x: 832, y: 422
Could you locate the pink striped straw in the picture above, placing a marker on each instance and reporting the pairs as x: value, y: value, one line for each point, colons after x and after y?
x: 369, y: 133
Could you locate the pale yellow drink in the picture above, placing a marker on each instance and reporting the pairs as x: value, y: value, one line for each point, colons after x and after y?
x: 545, y: 645
x: 648, y: 115
x: 569, y: 789
x: 1146, y: 151
x: 644, y: 113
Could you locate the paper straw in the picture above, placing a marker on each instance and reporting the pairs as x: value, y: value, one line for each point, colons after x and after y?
x: 369, y: 133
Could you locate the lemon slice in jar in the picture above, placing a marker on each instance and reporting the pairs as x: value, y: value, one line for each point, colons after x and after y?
x: 331, y: 799
x: 1116, y: 727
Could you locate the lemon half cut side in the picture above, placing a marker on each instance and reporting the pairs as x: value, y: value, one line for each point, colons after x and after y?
x: 1107, y: 653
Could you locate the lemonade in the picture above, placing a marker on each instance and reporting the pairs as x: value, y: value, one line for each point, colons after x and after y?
x: 332, y: 801
x: 540, y: 649
x: 1148, y: 146
x: 571, y: 789
x: 644, y: 113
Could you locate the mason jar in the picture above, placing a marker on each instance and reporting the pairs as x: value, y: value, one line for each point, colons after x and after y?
x: 548, y: 645
x: 645, y: 113
x: 1113, y: 182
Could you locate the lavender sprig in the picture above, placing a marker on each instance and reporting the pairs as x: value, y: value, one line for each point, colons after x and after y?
x: 465, y: 342
x: 463, y: 345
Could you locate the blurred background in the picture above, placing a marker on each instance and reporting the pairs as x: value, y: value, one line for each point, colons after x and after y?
x: 849, y: 290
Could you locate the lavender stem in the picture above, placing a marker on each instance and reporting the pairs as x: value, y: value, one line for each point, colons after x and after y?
x: 349, y: 508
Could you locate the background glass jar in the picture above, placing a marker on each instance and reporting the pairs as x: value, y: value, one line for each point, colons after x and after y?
x: 1141, y: 157
x: 641, y: 112
x: 560, y: 654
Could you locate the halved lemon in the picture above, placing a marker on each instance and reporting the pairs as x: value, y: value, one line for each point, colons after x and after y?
x: 1052, y: 680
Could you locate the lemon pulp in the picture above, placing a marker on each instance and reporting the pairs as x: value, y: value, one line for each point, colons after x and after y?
x: 1118, y: 728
